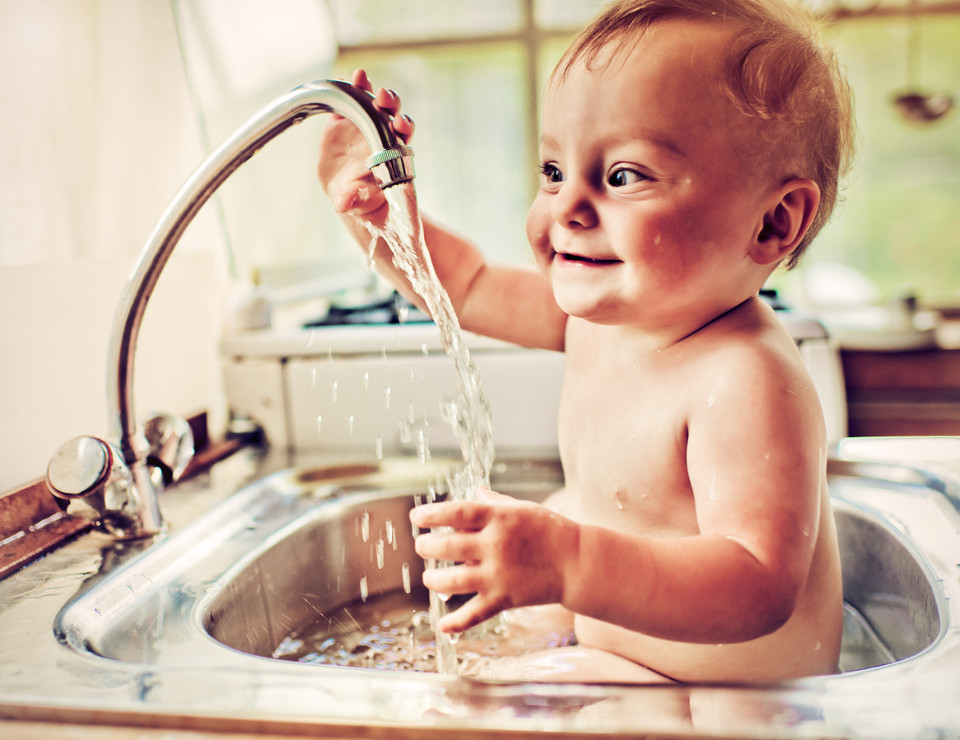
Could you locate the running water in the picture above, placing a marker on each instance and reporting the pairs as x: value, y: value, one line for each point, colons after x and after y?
x: 469, y: 412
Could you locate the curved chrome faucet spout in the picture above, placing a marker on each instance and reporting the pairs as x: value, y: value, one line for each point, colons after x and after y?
x: 391, y: 163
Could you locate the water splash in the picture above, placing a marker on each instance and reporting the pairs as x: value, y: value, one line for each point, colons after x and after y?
x: 469, y: 412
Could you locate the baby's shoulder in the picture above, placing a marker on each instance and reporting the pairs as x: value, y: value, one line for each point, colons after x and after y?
x: 752, y: 351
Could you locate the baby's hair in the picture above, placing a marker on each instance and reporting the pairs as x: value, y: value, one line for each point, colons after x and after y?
x: 777, y: 71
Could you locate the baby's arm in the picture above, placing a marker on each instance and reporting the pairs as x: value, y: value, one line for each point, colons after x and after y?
x: 512, y: 303
x: 757, y: 492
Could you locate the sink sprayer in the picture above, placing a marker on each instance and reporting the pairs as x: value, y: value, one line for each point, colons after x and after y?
x: 118, y: 486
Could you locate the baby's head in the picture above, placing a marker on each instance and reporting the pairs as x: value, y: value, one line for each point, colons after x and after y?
x: 776, y: 73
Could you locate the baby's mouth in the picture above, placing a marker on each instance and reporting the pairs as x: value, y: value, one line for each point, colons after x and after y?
x: 568, y: 257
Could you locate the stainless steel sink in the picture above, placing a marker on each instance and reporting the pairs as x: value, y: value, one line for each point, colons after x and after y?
x: 357, y: 548
x: 187, y: 626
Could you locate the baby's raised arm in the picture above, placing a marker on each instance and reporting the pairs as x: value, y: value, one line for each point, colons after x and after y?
x: 507, y: 302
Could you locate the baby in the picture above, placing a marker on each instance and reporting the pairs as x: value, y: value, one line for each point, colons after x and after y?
x: 689, y: 147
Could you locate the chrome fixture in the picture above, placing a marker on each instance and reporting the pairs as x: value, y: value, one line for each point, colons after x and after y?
x: 118, y: 487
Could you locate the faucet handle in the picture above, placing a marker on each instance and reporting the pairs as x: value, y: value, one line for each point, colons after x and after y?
x: 171, y: 445
x: 89, y: 478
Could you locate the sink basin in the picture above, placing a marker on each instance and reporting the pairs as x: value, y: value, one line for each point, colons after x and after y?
x: 197, y: 617
x: 354, y: 550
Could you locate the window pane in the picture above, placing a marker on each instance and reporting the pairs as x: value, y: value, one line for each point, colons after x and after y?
x: 566, y: 14
x: 472, y: 149
x: 373, y: 21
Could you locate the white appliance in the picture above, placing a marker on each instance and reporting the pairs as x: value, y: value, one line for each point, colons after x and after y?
x: 377, y: 389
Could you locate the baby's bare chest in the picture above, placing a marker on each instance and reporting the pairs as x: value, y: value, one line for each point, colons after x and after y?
x: 622, y: 435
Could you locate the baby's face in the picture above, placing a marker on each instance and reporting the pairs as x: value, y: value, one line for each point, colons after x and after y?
x: 645, y: 214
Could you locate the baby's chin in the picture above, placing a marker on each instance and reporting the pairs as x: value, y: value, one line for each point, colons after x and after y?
x: 583, y: 304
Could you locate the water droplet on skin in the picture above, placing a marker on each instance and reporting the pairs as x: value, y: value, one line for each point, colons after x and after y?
x: 657, y: 239
x: 713, y: 495
x: 710, y: 402
x: 816, y: 648
x: 618, y: 498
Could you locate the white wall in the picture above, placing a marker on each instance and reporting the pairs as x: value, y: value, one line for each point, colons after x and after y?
x: 96, y: 136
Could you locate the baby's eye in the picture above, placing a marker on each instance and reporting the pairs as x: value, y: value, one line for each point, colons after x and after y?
x: 623, y: 176
x: 551, y: 173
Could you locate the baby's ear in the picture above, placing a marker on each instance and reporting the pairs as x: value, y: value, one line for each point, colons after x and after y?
x: 791, y: 209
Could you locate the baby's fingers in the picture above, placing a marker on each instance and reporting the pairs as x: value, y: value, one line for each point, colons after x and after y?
x: 457, y: 548
x: 476, y: 611
x: 465, y: 515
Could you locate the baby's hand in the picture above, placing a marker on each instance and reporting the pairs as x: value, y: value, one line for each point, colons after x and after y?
x: 342, y: 167
x: 509, y: 553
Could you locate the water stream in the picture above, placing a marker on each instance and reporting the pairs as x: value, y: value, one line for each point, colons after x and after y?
x: 469, y: 412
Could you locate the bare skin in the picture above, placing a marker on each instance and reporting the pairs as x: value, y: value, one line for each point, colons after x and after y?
x: 694, y: 539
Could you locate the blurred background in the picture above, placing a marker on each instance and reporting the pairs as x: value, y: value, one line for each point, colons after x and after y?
x: 109, y: 105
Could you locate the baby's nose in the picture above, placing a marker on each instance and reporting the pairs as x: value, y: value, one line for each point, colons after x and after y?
x: 573, y: 208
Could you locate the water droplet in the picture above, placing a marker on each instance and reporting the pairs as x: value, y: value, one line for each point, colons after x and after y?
x: 423, y: 447
x: 313, y: 377
x: 350, y: 424
x: 424, y: 350
x: 405, y: 431
x: 618, y: 498
x: 319, y: 423
x: 403, y: 313
x: 379, y: 448
x: 334, y: 387
x: 365, y: 382
x: 390, y: 530
x: 405, y: 574
x: 386, y: 398
x: 363, y: 589
x: 365, y: 526
x: 380, y: 554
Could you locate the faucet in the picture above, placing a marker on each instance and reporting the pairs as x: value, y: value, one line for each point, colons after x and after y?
x: 118, y: 486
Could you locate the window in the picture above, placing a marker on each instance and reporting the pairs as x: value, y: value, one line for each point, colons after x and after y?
x: 471, y: 73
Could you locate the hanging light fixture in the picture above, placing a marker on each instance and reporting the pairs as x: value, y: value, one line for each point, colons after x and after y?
x: 914, y: 105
